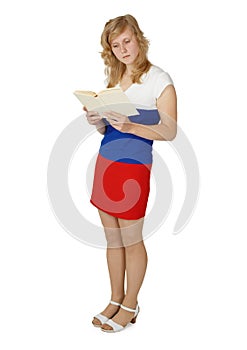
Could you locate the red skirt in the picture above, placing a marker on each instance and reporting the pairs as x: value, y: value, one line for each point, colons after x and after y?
x: 121, y: 189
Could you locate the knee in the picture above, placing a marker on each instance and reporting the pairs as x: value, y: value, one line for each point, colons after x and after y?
x: 113, y: 238
x: 131, y: 232
x: 131, y: 237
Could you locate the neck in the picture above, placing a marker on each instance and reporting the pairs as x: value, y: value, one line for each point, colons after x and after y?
x: 129, y: 69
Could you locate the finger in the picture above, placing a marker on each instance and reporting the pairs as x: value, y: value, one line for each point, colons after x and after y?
x: 94, y: 119
x: 113, y: 121
x: 93, y: 114
x: 110, y: 117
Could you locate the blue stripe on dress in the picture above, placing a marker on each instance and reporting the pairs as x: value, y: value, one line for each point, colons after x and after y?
x: 129, y: 148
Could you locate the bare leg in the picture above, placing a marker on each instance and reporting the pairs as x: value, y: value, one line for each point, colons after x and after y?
x: 116, y: 263
x: 136, y: 264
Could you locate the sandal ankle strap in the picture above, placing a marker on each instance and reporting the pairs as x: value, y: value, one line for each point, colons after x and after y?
x: 115, y: 303
x: 128, y: 309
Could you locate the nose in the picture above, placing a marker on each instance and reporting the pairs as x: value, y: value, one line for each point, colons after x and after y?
x: 123, y: 48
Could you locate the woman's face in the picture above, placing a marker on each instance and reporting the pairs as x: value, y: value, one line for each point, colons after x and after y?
x: 125, y: 47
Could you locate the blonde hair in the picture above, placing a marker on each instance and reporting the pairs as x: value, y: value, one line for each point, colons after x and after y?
x: 114, y: 68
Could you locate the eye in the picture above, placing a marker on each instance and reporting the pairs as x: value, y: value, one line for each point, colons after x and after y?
x: 115, y: 46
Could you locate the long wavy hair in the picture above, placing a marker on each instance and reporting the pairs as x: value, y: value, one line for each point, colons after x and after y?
x: 114, y: 68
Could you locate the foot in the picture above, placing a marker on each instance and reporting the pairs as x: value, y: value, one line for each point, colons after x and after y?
x: 122, y: 318
x: 109, y: 312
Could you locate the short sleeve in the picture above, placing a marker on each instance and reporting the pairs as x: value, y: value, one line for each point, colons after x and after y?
x: 163, y: 79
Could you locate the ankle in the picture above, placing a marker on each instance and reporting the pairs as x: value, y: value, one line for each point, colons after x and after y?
x: 117, y: 298
x: 130, y: 301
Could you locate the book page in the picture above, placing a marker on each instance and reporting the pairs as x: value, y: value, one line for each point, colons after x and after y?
x: 112, y: 96
x: 123, y: 108
x: 116, y: 100
x: 85, y: 92
x: 90, y: 102
x: 112, y: 99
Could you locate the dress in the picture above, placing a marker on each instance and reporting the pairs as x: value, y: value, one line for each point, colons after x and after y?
x: 122, y: 172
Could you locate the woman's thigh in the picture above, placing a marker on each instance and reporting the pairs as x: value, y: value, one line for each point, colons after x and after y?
x: 112, y: 230
x: 108, y: 221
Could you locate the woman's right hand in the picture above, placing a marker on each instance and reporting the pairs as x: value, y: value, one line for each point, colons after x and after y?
x: 93, y: 117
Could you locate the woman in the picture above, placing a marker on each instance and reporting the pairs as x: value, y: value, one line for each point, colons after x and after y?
x: 122, y: 172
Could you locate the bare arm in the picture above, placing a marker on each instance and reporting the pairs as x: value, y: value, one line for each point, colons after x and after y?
x: 166, y: 130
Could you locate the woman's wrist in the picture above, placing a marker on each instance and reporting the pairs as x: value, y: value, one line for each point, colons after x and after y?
x: 130, y: 127
x: 100, y: 126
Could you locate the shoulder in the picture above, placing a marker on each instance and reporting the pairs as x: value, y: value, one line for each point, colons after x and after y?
x: 156, y: 72
x: 157, y: 76
x: 157, y: 80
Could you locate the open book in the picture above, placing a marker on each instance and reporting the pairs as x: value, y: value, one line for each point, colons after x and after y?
x: 111, y: 99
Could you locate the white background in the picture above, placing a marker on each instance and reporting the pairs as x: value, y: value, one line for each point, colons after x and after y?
x: 194, y: 294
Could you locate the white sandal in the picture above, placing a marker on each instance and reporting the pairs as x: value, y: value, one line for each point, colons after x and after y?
x: 103, y: 319
x: 118, y: 327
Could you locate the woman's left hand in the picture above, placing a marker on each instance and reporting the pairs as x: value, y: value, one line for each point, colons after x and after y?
x: 118, y: 121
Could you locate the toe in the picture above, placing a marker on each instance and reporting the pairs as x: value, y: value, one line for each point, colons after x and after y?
x: 106, y: 327
x: 96, y: 322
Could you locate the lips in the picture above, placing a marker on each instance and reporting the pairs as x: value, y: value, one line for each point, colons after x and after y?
x: 126, y: 56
